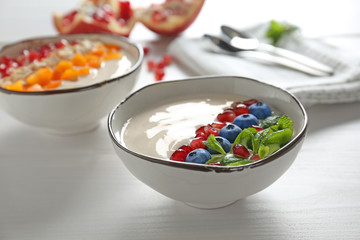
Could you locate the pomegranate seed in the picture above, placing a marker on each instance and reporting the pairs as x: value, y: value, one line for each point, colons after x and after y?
x: 202, y: 135
x: 146, y: 51
x: 125, y: 10
x: 44, y: 52
x: 69, y: 18
x: 159, y: 15
x: 200, y: 130
x: 159, y: 74
x: 257, y: 128
x: 218, y: 125
x: 241, y: 109
x: 186, y: 148
x: 197, y: 143
x: 250, y: 102
x: 179, y: 155
x: 226, y: 116
x: 61, y: 43
x: 160, y: 65
x: 210, y: 130
x: 255, y: 157
x: 240, y: 151
x: 151, y: 65
x: 5, y: 60
x: 167, y: 59
x: 33, y: 55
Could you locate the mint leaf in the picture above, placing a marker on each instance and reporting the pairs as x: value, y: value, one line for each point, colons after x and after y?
x: 285, y: 122
x: 230, y: 158
x: 278, y: 30
x: 259, y: 137
x: 213, y: 144
x: 246, y: 137
x: 215, y: 158
x: 274, y: 141
x: 270, y: 121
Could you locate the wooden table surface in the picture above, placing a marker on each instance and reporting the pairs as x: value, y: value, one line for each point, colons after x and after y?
x: 61, y: 187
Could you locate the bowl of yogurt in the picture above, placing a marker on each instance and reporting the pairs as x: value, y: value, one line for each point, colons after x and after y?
x: 65, y: 84
x: 149, y: 125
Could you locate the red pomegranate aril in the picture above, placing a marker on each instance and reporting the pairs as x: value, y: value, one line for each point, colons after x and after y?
x: 210, y: 130
x: 125, y: 10
x: 241, y: 109
x: 240, y: 151
x: 159, y: 16
x: 200, y: 130
x: 257, y: 128
x: 61, y: 43
x: 226, y: 116
x: 160, y: 65
x: 255, y: 157
x: 186, y: 148
x: 69, y: 18
x: 33, y: 55
x: 203, y: 135
x: 44, y: 52
x: 218, y: 125
x: 151, y: 65
x: 197, y: 143
x: 250, y: 102
x: 179, y: 155
x: 5, y: 60
x: 167, y: 59
x: 146, y: 51
x: 159, y: 74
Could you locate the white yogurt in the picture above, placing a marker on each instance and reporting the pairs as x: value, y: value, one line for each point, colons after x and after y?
x: 159, y: 131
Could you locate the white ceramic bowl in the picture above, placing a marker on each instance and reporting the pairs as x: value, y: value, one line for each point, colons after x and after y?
x: 198, y: 185
x: 67, y: 111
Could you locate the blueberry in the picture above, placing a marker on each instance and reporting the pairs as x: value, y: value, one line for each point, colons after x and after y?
x: 260, y: 110
x: 225, y: 144
x: 246, y: 120
x: 199, y: 155
x: 230, y: 132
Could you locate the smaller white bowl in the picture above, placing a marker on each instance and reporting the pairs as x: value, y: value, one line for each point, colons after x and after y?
x: 68, y: 111
x: 205, y: 186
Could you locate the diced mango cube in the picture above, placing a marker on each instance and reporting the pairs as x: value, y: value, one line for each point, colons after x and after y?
x: 79, y: 60
x: 53, y: 84
x: 16, y: 86
x: 44, y: 75
x: 70, y: 74
x: 84, y: 71
x: 113, y: 56
x: 32, y: 79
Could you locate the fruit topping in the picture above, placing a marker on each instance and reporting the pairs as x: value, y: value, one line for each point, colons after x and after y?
x: 243, y: 141
x: 246, y: 120
x: 46, y: 67
x: 260, y: 110
x: 198, y: 156
x: 230, y: 132
x: 119, y: 17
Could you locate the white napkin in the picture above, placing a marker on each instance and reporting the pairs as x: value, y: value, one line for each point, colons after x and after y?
x: 343, y: 86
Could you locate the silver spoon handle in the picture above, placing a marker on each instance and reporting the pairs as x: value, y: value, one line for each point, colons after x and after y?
x: 296, y: 58
x: 269, y: 58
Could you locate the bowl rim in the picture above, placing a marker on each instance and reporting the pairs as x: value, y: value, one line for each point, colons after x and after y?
x: 211, y: 168
x: 137, y: 64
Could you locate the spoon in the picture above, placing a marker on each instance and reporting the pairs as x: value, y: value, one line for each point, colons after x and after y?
x: 264, y: 56
x: 245, y: 41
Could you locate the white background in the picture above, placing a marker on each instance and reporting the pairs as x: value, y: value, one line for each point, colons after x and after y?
x: 61, y: 187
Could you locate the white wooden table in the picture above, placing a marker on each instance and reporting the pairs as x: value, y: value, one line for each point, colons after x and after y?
x: 61, y: 187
